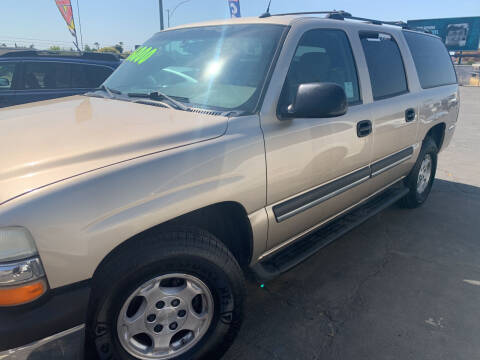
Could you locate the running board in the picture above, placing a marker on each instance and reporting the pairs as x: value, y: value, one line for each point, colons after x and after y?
x: 292, y: 255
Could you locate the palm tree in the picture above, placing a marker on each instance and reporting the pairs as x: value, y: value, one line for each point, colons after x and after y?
x: 97, y: 45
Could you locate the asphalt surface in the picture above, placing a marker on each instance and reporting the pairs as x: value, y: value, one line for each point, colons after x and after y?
x: 404, y: 285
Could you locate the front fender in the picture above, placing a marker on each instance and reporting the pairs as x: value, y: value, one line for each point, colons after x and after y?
x: 77, y: 222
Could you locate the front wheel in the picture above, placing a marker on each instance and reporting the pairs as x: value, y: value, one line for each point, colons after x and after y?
x: 420, y: 179
x: 175, y: 295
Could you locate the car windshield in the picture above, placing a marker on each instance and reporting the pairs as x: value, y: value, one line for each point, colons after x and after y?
x: 214, y: 67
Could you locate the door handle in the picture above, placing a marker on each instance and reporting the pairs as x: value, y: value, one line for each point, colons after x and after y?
x: 409, y: 115
x: 364, y: 128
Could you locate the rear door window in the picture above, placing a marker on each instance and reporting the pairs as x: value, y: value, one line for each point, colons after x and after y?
x: 323, y: 55
x: 7, y: 71
x: 432, y: 61
x: 385, y: 65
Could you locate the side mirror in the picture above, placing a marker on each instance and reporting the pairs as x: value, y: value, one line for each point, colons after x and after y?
x: 4, y: 82
x: 317, y: 100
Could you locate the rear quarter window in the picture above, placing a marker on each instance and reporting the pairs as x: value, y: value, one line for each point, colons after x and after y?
x: 89, y: 76
x: 432, y: 60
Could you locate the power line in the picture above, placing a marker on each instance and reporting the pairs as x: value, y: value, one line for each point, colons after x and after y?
x: 22, y: 39
x: 12, y: 38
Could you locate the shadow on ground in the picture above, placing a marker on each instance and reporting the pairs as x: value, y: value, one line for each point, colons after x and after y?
x: 404, y: 285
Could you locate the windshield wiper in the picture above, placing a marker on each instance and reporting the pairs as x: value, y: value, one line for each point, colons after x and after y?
x: 110, y: 91
x: 106, y: 89
x: 158, y: 96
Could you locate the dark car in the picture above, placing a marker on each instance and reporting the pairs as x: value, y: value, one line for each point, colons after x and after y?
x: 27, y: 76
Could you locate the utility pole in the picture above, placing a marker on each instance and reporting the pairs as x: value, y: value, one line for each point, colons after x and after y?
x: 160, y: 9
x: 80, y: 27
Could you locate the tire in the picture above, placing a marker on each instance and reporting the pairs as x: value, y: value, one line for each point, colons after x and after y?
x: 416, y: 181
x: 184, y: 258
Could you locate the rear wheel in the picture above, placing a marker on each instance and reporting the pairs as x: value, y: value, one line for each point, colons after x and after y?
x: 172, y: 295
x: 420, y: 179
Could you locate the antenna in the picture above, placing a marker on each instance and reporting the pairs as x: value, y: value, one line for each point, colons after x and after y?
x: 267, y: 13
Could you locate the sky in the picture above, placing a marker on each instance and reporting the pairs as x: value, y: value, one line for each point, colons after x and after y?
x: 132, y: 22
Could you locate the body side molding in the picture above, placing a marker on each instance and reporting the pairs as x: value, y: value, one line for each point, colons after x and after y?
x: 312, y: 198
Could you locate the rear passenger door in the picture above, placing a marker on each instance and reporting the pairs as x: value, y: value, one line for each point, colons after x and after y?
x: 394, y: 108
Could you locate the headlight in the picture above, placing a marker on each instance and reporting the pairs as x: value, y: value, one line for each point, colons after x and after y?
x: 22, y: 278
x: 16, y: 243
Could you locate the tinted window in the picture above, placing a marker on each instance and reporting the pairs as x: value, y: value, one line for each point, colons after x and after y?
x: 433, y: 63
x: 89, y: 76
x: 323, y: 56
x: 385, y: 65
x: 47, y: 75
x: 6, y: 75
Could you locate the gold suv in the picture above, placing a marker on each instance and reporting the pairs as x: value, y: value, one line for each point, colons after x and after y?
x: 129, y: 215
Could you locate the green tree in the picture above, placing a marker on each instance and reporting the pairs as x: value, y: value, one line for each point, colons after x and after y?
x: 55, y: 48
x: 32, y: 46
x: 97, y: 45
x: 4, y: 45
x: 87, y: 48
x: 109, y: 49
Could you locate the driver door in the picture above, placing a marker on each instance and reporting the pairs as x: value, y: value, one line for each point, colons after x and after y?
x: 316, y: 167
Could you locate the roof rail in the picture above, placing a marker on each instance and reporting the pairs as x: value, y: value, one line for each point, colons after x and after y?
x: 64, y: 54
x: 342, y: 15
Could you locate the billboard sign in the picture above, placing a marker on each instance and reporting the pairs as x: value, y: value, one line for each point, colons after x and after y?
x: 457, y: 33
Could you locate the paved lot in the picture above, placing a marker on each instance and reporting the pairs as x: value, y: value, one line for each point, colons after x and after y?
x: 404, y: 285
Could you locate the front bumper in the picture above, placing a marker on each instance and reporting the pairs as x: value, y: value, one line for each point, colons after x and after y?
x: 68, y: 344
x: 45, y: 325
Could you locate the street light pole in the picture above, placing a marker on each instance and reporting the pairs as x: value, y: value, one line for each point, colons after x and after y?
x: 160, y: 10
x: 170, y: 12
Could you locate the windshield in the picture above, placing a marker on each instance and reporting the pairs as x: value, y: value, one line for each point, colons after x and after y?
x: 215, y: 67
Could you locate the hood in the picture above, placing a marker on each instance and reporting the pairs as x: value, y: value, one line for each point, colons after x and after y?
x: 49, y: 141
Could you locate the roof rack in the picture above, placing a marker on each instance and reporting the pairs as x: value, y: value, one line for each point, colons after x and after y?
x: 64, y: 54
x: 339, y: 14
x: 342, y: 15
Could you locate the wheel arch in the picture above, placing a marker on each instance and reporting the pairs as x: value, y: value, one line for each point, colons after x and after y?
x: 437, y: 133
x: 228, y: 221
